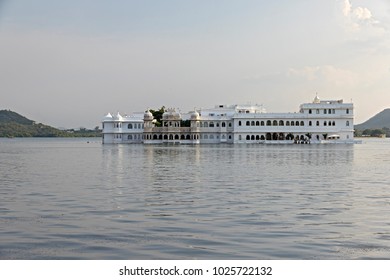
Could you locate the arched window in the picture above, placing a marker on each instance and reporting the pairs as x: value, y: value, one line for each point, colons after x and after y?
x: 248, y: 137
x: 347, y: 123
x: 333, y: 123
x: 188, y: 137
x: 252, y: 137
x: 275, y: 123
x: 239, y: 123
x: 155, y: 137
x: 130, y: 126
x: 230, y: 124
x: 252, y: 123
x: 302, y: 123
x: 211, y: 124
x: 248, y: 123
x: 268, y: 123
x: 309, y: 111
x: 182, y: 137
x: 165, y: 137
x: 347, y: 111
x: 297, y: 123
x: 257, y: 123
x: 223, y: 124
x: 217, y: 124
x: 329, y: 123
x: 257, y: 137
x: 262, y: 123
x: 281, y: 123
x: 309, y: 123
x: 318, y: 123
x: 262, y: 137
x: 287, y: 123
x: 329, y: 111
x: 324, y: 123
x: 324, y: 111
x: 292, y: 123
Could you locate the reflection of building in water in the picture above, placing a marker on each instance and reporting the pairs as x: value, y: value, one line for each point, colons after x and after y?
x: 316, y: 122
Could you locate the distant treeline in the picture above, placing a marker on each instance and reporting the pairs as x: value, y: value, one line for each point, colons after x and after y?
x: 373, y: 132
x: 14, y: 125
x: 40, y: 130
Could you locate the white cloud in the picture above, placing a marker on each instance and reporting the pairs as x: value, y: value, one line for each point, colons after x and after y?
x: 356, y: 18
x: 347, y: 7
x: 328, y: 74
x: 362, y: 13
x: 309, y: 73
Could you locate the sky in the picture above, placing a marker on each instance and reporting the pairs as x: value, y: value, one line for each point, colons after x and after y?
x: 68, y: 63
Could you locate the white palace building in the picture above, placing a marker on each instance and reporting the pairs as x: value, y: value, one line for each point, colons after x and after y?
x: 321, y: 121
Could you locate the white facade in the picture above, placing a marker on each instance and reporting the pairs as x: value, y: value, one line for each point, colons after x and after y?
x: 123, y: 129
x: 320, y: 121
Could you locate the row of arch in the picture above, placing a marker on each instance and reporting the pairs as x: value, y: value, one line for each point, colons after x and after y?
x: 328, y: 111
x: 287, y: 123
x: 272, y: 136
x: 135, y: 126
x: 180, y: 136
x: 213, y: 124
x: 272, y: 123
x: 171, y: 136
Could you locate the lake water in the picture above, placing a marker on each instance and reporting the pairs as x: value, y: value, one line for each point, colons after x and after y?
x: 79, y: 199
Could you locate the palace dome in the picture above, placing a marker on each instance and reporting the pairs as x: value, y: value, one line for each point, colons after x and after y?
x: 171, y: 114
x: 118, y: 117
x: 195, y: 115
x: 148, y: 115
x: 107, y: 117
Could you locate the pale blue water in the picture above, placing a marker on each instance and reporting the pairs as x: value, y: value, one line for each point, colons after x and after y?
x: 70, y: 199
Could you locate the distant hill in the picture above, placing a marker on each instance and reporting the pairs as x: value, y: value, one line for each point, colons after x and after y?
x: 7, y: 116
x: 378, y: 121
x: 15, y: 125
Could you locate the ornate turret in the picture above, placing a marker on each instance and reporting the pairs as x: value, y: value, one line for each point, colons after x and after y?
x: 148, y: 116
x: 316, y: 99
x: 195, y: 115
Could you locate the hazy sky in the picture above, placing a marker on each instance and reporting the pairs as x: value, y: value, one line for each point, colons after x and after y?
x: 68, y: 63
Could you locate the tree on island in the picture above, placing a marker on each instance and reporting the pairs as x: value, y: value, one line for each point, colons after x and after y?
x: 157, y: 115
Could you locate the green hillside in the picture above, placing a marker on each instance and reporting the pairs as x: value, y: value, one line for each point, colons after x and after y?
x: 380, y: 120
x: 7, y: 116
x: 375, y: 126
x: 15, y: 125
